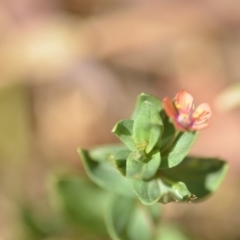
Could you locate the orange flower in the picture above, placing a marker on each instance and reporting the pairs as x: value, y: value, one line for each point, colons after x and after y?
x: 184, y: 117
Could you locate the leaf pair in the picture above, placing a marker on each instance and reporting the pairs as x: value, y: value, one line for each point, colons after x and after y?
x: 142, y: 136
x: 136, y: 165
x: 194, y: 176
x: 144, y: 132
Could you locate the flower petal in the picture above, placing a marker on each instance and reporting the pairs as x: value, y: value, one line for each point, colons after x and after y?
x: 202, y: 113
x: 169, y: 108
x: 199, y: 126
x: 179, y: 126
x: 183, y: 101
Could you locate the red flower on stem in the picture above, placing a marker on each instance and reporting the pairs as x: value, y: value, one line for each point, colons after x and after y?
x: 184, y: 117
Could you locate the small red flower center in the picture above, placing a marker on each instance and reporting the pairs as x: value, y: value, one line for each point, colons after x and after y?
x: 184, y: 119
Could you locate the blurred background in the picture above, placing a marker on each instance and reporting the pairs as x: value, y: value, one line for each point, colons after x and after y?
x: 70, y: 69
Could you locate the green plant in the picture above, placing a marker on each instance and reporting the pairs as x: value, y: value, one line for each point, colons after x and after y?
x: 152, y: 165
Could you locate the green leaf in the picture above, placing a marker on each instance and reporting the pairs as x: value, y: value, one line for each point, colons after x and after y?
x: 147, y: 127
x: 124, y: 130
x: 33, y: 226
x: 83, y: 202
x: 155, y: 136
x: 145, y: 97
x: 127, y: 220
x: 105, y: 175
x: 161, y: 190
x: 170, y: 232
x: 202, y: 176
x: 142, y: 167
x: 120, y: 159
x: 148, y: 192
x: 155, y: 211
x: 106, y: 152
x: 174, y: 154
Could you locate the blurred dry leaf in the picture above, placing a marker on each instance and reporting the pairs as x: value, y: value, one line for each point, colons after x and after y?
x: 48, y: 50
x: 54, y: 44
x: 229, y: 98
